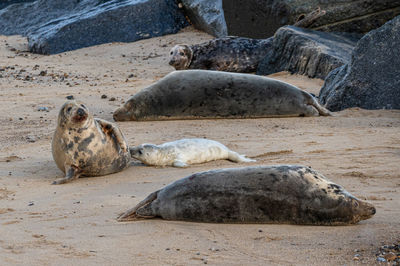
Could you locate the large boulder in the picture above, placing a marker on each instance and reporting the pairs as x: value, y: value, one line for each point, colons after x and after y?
x: 5, y: 3
x: 56, y: 26
x: 261, y: 18
x: 371, y: 80
x: 206, y: 15
x: 307, y: 52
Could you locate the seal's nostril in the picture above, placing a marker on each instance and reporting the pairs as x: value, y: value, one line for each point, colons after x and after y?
x: 373, y: 210
x: 81, y: 112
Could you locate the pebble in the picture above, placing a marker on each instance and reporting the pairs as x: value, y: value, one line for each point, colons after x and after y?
x: 43, y: 109
x: 43, y: 73
x: 31, y: 203
x: 104, y: 96
x: 112, y: 99
x: 30, y: 138
x: 390, y: 256
x: 70, y: 97
x: 380, y: 259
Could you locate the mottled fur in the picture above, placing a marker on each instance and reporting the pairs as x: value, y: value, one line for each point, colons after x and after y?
x: 231, y: 54
x: 288, y: 194
x: 87, y: 146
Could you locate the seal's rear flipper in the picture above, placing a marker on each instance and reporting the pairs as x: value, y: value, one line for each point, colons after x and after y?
x: 143, y: 206
x: 71, y: 172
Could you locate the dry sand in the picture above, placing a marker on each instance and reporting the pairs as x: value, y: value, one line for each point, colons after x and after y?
x: 43, y: 224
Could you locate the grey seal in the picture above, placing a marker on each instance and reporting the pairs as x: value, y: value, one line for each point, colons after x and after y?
x: 191, y: 94
x: 181, y: 153
x: 231, y: 54
x: 86, y: 146
x: 288, y: 194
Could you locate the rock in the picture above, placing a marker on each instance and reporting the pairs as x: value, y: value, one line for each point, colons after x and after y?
x: 43, y: 109
x: 307, y: 52
x: 6, y: 3
x: 390, y: 256
x: 261, y: 18
x: 371, y: 79
x: 206, y: 15
x: 57, y: 26
x: 70, y: 97
x: 380, y: 259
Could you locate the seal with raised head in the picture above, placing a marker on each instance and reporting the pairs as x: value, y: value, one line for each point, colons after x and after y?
x: 181, y: 153
x: 287, y: 194
x: 87, y: 146
x: 192, y: 94
x: 231, y: 54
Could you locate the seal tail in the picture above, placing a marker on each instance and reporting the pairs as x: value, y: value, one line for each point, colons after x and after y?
x: 143, y: 206
x: 237, y: 158
x: 321, y: 110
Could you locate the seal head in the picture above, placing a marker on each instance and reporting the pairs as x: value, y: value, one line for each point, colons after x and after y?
x: 180, y: 56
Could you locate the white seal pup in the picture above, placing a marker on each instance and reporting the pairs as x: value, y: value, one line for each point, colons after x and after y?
x: 183, y: 152
x: 194, y: 94
x: 288, y: 194
x: 87, y: 146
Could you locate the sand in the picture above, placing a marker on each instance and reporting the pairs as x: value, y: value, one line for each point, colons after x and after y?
x: 75, y: 223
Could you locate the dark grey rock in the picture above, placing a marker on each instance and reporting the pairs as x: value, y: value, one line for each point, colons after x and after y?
x: 307, y: 52
x: 56, y: 26
x: 371, y: 80
x: 261, y: 18
x: 5, y: 3
x: 206, y: 15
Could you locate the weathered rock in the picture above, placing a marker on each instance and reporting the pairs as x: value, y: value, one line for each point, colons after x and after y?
x: 261, y: 18
x: 206, y: 15
x: 57, y: 26
x: 5, y: 3
x: 371, y: 79
x: 307, y: 52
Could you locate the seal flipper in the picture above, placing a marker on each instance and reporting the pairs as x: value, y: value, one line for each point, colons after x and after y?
x: 178, y: 163
x: 143, y: 207
x: 112, y: 129
x: 237, y: 158
x: 71, y: 172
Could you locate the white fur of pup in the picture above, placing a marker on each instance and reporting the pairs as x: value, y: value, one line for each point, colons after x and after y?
x: 183, y: 152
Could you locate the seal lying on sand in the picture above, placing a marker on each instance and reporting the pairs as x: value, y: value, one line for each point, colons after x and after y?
x: 87, y: 146
x: 193, y: 94
x: 182, y: 152
x: 232, y: 54
x: 266, y: 194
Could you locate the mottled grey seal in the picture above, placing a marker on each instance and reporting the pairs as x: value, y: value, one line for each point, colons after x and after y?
x: 191, y: 94
x: 287, y: 194
x: 87, y: 146
x: 231, y: 54
x: 182, y: 152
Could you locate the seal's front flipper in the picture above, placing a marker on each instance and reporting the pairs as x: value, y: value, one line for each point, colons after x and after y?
x: 180, y: 164
x: 141, y: 211
x: 114, y: 130
x: 71, y: 172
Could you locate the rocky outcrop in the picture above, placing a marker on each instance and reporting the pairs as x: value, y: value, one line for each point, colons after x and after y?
x: 57, y: 26
x: 307, y: 52
x: 206, y: 15
x: 371, y: 80
x: 261, y: 18
x: 5, y: 3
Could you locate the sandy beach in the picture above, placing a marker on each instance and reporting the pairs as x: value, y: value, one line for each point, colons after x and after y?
x: 75, y: 223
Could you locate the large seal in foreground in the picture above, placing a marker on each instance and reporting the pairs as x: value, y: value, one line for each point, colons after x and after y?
x: 182, y: 152
x: 266, y: 194
x: 194, y: 94
x: 87, y: 146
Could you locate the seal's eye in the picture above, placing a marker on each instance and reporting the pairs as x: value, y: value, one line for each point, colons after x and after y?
x: 83, y: 106
x: 355, y: 204
x: 140, y: 152
x: 181, y: 53
x: 69, y: 109
x: 171, y: 53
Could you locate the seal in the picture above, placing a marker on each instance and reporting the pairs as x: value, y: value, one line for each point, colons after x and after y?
x: 231, y: 54
x: 192, y: 94
x: 87, y: 146
x: 183, y: 152
x: 288, y: 194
